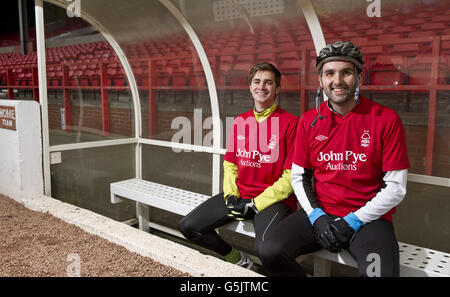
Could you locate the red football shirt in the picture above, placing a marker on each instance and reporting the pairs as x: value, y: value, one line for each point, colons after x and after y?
x: 350, y: 154
x: 261, y: 151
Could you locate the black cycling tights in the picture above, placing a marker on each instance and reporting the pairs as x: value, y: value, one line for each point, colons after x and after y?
x: 374, y: 247
x: 200, y: 223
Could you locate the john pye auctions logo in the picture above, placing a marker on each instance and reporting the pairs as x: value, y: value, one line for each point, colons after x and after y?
x: 255, y: 156
x: 347, y: 156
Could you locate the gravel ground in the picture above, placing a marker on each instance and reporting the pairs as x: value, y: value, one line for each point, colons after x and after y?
x: 38, y: 244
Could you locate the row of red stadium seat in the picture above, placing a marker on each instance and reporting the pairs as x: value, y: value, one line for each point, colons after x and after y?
x: 384, y: 70
x: 242, y: 49
x: 232, y: 51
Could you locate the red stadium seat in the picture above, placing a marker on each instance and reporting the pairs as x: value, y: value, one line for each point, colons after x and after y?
x: 389, y: 37
x: 238, y: 76
x: 374, y: 33
x: 285, y: 42
x: 421, y: 34
x: 162, y: 76
x: 387, y: 70
x: 51, y: 81
x: 433, y: 26
x: 441, y: 18
x: 373, y: 50
x: 289, y: 55
x: 138, y: 74
x: 225, y: 65
x: 348, y: 35
x: 445, y: 46
x: 226, y: 60
x: 89, y: 74
x: 249, y: 42
x: 362, y: 27
x: 16, y: 72
x: 402, y: 29
x: 72, y: 81
x: 173, y: 63
x: 22, y: 81
x: 406, y: 49
x: 110, y: 75
x: 290, y: 70
x: 84, y: 79
x: 120, y: 78
x: 312, y: 78
x: 414, y: 21
x: 96, y: 77
x: 197, y: 76
x: 245, y: 59
x: 266, y: 57
x: 3, y: 76
x: 230, y: 50
x: 420, y: 70
x: 266, y: 47
x: 179, y: 76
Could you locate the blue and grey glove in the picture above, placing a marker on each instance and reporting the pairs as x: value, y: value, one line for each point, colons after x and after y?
x: 244, y: 210
x: 322, y: 232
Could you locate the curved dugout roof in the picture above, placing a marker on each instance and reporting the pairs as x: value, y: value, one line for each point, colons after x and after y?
x: 128, y: 22
x: 132, y: 21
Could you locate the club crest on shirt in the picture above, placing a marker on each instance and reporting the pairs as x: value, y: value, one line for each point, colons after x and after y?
x: 365, y: 139
x: 272, y: 142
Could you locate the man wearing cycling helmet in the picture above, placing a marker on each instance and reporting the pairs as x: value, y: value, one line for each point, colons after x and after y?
x: 354, y: 149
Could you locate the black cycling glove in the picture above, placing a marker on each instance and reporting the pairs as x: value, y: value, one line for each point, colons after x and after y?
x: 324, y: 234
x: 342, y: 231
x: 244, y: 210
x: 231, y: 201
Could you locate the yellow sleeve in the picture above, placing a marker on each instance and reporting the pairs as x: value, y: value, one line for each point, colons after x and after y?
x: 230, y: 174
x: 280, y: 190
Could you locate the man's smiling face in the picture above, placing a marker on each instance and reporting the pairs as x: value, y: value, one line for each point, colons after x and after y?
x: 263, y: 89
x: 338, y: 80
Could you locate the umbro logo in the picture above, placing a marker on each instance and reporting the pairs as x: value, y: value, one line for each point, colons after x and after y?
x: 321, y: 137
x: 240, y: 137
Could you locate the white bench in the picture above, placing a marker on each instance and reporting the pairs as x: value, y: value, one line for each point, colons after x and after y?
x: 414, y: 260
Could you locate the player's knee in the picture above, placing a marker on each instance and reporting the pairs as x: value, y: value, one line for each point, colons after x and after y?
x: 188, y: 229
x: 269, y: 252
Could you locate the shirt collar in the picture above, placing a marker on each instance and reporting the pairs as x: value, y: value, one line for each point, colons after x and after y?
x: 332, y: 109
x: 261, y: 116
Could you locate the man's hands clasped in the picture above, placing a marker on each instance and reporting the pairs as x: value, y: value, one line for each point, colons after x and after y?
x: 324, y: 234
x: 240, y: 209
x: 342, y: 231
x: 333, y: 234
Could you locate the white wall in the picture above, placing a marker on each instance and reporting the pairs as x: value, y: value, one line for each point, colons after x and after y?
x: 21, y: 152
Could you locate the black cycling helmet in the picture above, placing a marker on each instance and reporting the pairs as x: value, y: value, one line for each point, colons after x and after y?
x: 340, y: 51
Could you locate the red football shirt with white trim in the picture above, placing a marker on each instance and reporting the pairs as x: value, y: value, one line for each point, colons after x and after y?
x: 350, y: 154
x: 261, y: 151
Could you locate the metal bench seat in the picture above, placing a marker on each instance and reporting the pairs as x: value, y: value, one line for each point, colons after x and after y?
x: 414, y: 260
x: 172, y: 199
